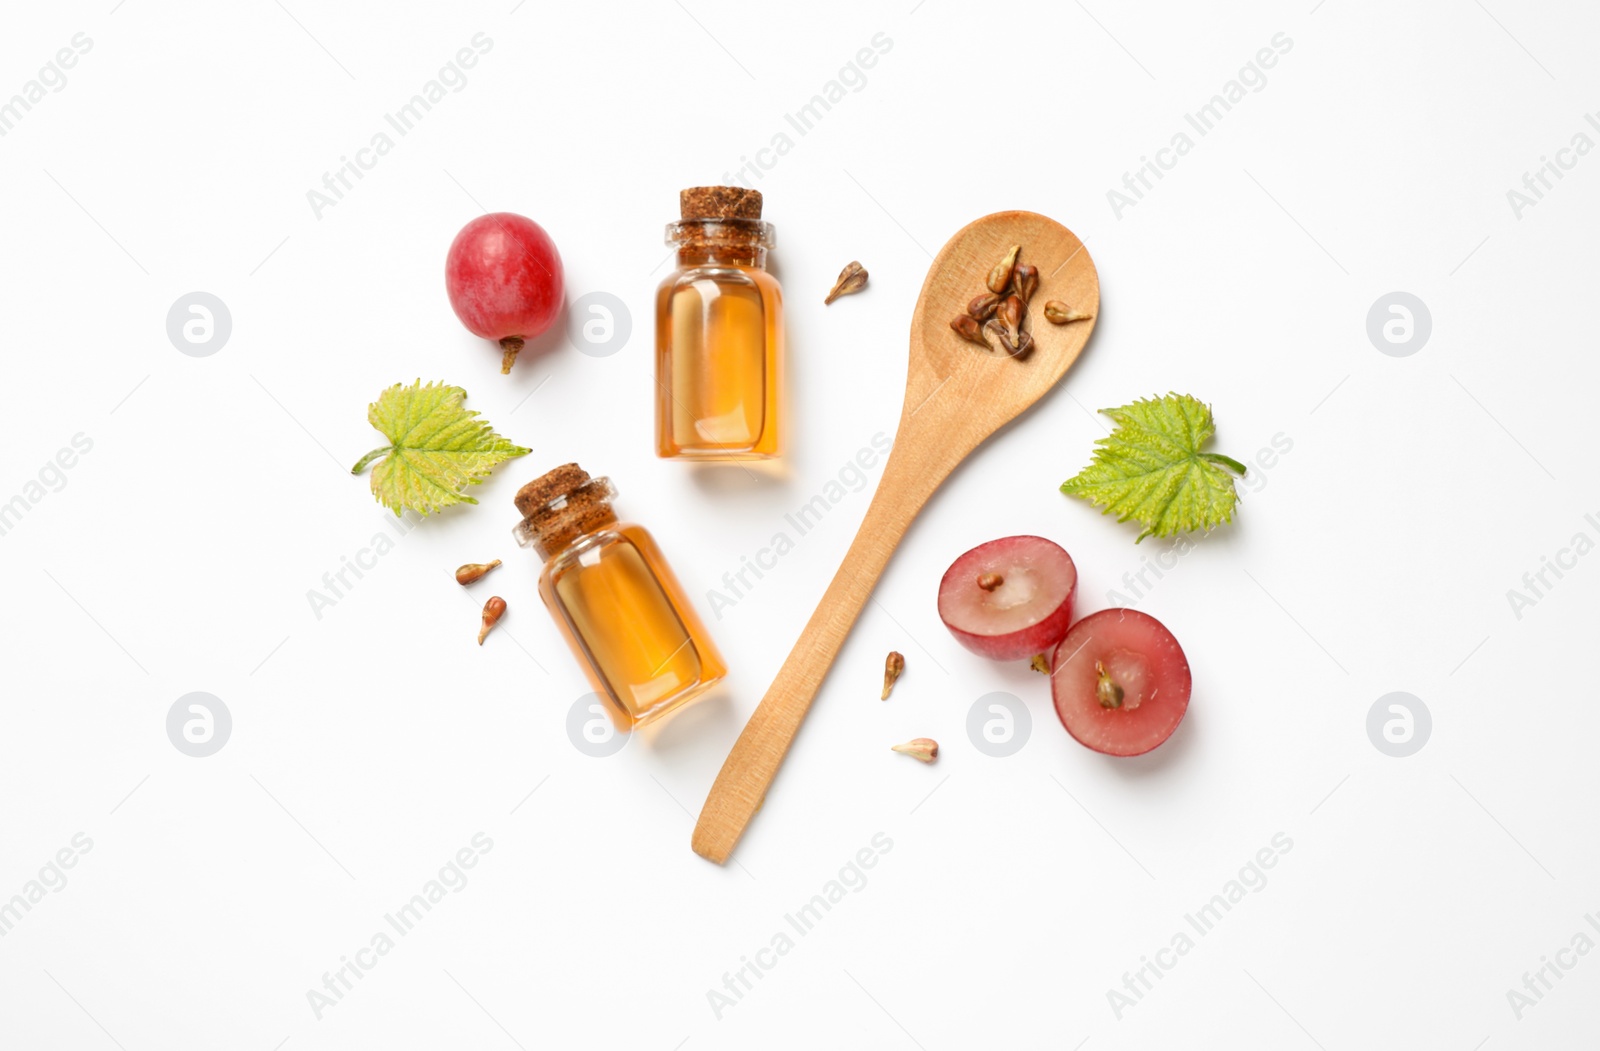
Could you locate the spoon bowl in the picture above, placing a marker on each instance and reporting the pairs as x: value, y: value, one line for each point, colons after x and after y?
x: 957, y: 395
x: 986, y: 391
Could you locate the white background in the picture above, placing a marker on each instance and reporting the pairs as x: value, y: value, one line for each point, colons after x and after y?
x: 372, y: 743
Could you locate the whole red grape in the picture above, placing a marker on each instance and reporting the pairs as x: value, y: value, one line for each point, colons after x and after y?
x: 505, y: 281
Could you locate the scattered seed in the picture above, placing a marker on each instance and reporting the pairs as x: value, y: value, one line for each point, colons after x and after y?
x: 1000, y: 276
x: 922, y: 749
x: 982, y: 307
x: 1106, y: 690
x: 1025, y: 281
x: 968, y: 329
x: 851, y: 279
x: 473, y: 572
x: 1009, y: 314
x: 1058, y: 313
x: 894, y: 666
x: 493, y: 610
x: 1040, y: 663
x: 995, y: 329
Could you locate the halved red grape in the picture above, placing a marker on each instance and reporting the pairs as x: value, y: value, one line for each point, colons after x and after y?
x: 1120, y: 682
x: 1010, y: 598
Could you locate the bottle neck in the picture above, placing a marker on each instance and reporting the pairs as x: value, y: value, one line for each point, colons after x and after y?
x: 754, y: 257
x: 721, y: 242
x: 555, y: 524
x: 556, y: 537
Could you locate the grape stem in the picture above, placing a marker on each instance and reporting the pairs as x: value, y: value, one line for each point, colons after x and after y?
x: 1226, y: 461
x: 361, y: 464
x: 511, y: 344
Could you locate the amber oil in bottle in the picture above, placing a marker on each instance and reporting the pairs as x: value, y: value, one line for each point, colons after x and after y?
x: 614, y: 598
x: 719, y: 332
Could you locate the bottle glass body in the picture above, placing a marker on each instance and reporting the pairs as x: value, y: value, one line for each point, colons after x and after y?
x: 719, y: 344
x: 629, y: 623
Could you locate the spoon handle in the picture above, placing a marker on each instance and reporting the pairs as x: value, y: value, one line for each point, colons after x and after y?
x: 909, y: 478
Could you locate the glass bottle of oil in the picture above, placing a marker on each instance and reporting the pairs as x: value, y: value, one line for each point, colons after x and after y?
x: 615, y: 599
x: 719, y: 332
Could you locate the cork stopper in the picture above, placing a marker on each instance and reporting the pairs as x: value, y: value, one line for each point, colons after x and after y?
x: 562, y: 505
x: 719, y: 202
x: 545, y: 488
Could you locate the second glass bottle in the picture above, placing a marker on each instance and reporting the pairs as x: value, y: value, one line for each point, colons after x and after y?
x: 624, y: 614
x: 719, y: 332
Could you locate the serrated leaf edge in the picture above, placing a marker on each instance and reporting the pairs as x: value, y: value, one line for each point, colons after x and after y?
x: 1121, y: 416
x: 455, y: 397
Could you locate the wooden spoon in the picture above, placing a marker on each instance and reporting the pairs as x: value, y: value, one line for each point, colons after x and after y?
x: 957, y: 395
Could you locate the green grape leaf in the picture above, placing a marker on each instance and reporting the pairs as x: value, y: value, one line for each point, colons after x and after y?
x: 436, y: 446
x: 1150, y: 468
